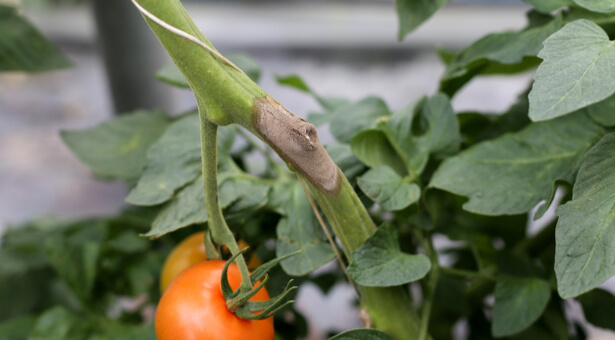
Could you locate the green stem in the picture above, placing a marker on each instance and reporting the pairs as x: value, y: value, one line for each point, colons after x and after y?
x: 220, y: 231
x: 432, y: 284
x: 467, y: 273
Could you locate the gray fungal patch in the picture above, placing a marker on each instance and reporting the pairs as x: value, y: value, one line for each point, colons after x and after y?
x: 296, y: 141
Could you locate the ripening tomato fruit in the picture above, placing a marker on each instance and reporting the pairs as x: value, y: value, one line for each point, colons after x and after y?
x: 189, y: 252
x: 193, y: 308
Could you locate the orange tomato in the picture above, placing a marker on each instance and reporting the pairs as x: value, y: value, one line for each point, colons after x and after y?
x: 193, y: 308
x: 190, y: 252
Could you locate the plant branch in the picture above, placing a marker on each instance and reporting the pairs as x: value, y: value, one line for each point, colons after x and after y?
x: 185, y: 35
x: 220, y: 232
x: 467, y: 273
x: 329, y: 238
x: 432, y: 284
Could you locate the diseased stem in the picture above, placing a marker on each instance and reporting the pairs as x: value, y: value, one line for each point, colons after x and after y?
x: 220, y: 232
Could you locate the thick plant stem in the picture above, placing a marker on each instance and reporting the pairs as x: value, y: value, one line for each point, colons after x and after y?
x: 217, y: 225
x: 227, y: 96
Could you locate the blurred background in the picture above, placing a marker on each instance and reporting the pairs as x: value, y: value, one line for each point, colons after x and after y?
x: 342, y: 48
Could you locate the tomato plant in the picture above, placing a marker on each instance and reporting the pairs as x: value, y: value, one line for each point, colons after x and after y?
x: 376, y: 199
x: 193, y: 308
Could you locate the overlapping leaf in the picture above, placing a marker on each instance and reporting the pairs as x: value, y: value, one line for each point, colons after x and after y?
x: 412, y: 13
x: 174, y: 161
x: 238, y: 192
x: 576, y: 72
x: 328, y: 103
x: 585, y: 233
x: 397, y: 144
x: 602, y: 6
x: 513, y: 173
x: 374, y: 149
x: 519, y: 302
x: 118, y: 148
x: 548, y: 6
x: 438, y: 136
x: 599, y: 308
x: 23, y: 48
x: 353, y: 118
x: 508, y: 52
x: 603, y: 112
x: 298, y: 230
x: 362, y: 334
x: 386, y: 188
x: 379, y: 262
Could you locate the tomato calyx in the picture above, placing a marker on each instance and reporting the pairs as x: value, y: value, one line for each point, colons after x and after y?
x: 237, y: 300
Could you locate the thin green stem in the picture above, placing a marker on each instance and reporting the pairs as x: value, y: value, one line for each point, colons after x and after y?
x: 467, y: 273
x: 434, y: 275
x: 220, y: 231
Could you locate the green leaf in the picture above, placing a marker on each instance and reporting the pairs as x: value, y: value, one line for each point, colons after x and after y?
x: 299, y: 230
x: 599, y: 308
x: 330, y: 104
x: 412, y: 13
x: 386, y: 188
x: 585, y: 232
x: 548, y: 6
x: 76, y: 264
x: 519, y: 302
x: 515, y: 172
x: 603, y: 112
x: 362, y: 334
x: 23, y: 48
x: 498, y: 53
x: 379, y: 262
x: 584, y: 51
x: 175, y: 160
x: 353, y: 118
x: 187, y: 208
x: 171, y: 75
x: 57, y: 324
x: 439, y: 131
x: 243, y: 194
x: 172, y: 162
x: 118, y: 148
x: 372, y: 147
x: 294, y: 81
x: 602, y: 6
x: 18, y: 328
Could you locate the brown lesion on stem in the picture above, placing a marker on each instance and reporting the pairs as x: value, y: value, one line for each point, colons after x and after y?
x: 297, y: 143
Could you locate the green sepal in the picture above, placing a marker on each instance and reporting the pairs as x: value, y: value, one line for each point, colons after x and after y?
x: 261, y: 271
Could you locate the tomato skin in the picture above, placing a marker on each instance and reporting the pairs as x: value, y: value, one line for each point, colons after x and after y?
x: 193, y: 308
x: 188, y: 252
